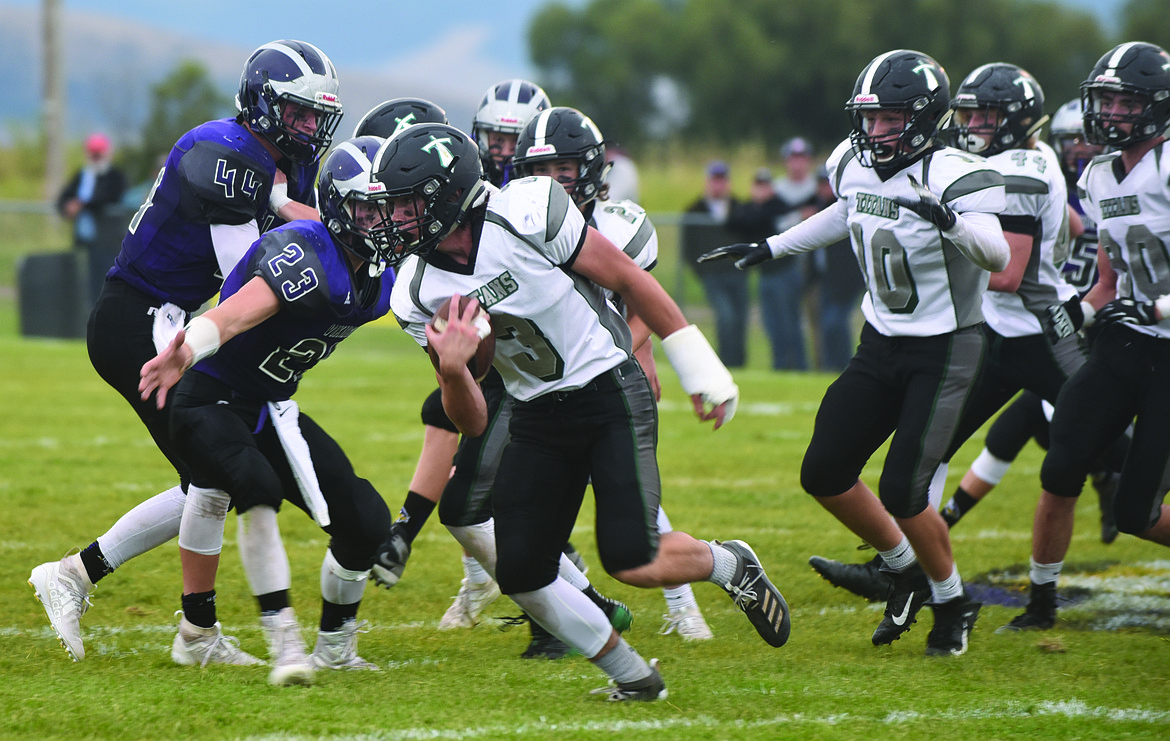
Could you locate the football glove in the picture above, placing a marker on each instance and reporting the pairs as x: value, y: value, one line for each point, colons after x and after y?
x: 1064, y: 320
x: 928, y: 206
x: 748, y: 254
x: 391, y: 558
x: 1128, y: 311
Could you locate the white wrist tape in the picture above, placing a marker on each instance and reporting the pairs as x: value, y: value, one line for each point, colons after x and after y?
x: 1089, y: 313
x: 202, y: 338
x: 1163, y: 306
x: 278, y: 198
x: 700, y: 370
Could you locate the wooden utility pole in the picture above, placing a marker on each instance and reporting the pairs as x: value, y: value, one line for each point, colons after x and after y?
x: 53, y: 102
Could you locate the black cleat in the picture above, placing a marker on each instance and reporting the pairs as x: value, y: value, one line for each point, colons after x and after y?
x: 909, y: 591
x: 1040, y: 614
x: 391, y: 558
x: 545, y: 645
x: 863, y: 579
x: 756, y: 596
x: 644, y: 690
x: 953, y: 622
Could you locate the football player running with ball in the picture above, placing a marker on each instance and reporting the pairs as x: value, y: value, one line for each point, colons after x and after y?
x: 922, y: 221
x: 564, y: 144
x: 582, y: 408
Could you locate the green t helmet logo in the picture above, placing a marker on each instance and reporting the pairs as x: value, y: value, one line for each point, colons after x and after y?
x: 927, y: 69
x: 403, y: 123
x: 442, y: 149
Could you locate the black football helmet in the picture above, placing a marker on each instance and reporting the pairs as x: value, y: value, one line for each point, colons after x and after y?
x: 1016, y: 98
x: 565, y: 133
x: 506, y: 107
x: 901, y: 80
x: 438, y: 166
x: 1133, y: 68
x: 290, y: 72
x: 344, y: 180
x: 388, y: 118
x: 1066, y: 134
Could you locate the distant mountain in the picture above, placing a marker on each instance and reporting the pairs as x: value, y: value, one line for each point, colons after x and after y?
x: 110, y: 66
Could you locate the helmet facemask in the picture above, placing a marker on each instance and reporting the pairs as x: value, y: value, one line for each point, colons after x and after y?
x: 345, y: 199
x: 284, y: 83
x: 1133, y: 75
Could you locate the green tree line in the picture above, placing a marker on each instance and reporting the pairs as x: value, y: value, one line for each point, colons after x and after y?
x: 764, y: 70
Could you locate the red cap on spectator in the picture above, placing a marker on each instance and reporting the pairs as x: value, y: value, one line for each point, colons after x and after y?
x: 98, y: 145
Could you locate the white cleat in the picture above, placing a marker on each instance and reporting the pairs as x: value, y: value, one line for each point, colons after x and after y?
x: 196, y: 646
x: 63, y: 590
x: 472, y: 599
x: 338, y: 649
x: 688, y: 623
x: 286, y: 647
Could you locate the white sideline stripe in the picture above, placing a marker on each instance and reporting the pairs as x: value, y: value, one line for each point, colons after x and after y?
x: 1064, y: 708
x: 91, y: 630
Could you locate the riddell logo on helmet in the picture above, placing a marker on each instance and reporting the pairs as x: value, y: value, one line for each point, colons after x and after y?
x: 327, y: 98
x: 510, y: 120
x: 375, y: 188
x: 1106, y: 78
x: 865, y: 98
x: 538, y: 151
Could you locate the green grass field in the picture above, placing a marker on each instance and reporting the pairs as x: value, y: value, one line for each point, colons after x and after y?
x: 73, y: 458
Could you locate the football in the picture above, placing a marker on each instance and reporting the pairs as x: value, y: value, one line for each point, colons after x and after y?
x: 481, y: 363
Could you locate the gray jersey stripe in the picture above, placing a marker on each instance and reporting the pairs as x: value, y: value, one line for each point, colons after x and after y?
x: 972, y: 183
x: 1025, y: 184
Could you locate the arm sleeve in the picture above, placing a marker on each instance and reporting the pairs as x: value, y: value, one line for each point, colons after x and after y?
x: 231, y: 241
x: 823, y: 228
x: 979, y: 237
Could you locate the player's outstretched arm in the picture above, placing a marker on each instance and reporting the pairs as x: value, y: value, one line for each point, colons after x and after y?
x: 204, y: 334
x: 703, y: 375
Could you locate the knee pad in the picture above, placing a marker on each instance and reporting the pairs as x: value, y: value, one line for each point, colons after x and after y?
x: 201, y: 527
x: 990, y: 468
x: 433, y: 414
x: 480, y: 542
x: 340, y: 585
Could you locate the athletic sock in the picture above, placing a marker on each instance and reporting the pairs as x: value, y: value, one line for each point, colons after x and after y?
x: 96, y: 565
x: 199, y: 608
x: 960, y: 504
x: 414, y: 513
x: 623, y: 664
x: 273, y: 602
x: 333, y: 616
x: 900, y: 557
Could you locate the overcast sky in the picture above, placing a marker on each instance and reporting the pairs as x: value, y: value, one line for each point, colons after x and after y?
x: 354, y: 33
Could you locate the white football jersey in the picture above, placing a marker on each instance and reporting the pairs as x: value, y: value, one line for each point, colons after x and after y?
x: 555, y: 330
x: 626, y: 225
x: 917, y: 282
x: 1132, y: 214
x: 1036, y: 189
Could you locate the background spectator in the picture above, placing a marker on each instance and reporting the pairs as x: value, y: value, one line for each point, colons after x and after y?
x: 84, y: 199
x: 782, y: 282
x: 705, y: 228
